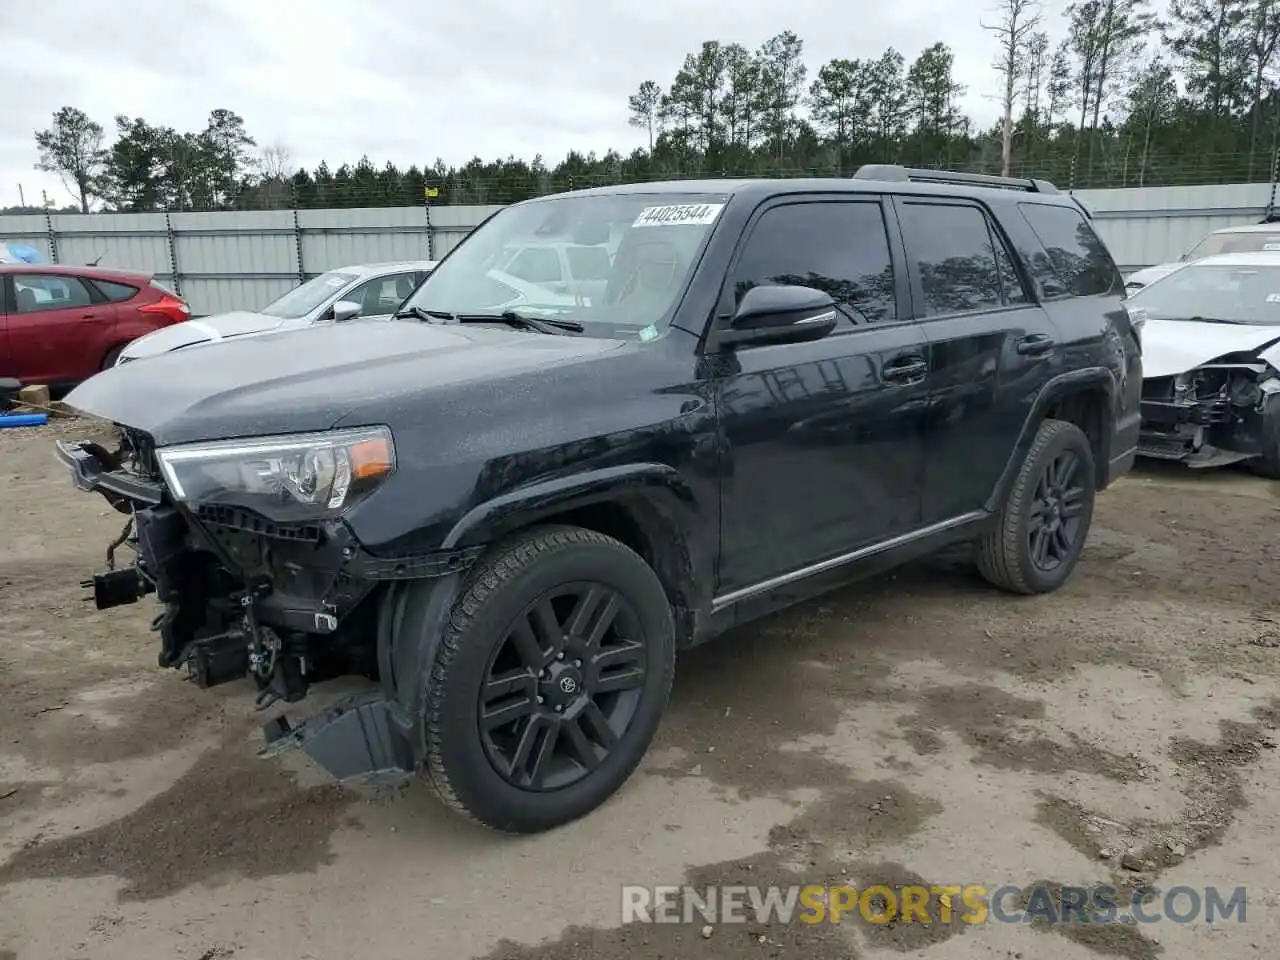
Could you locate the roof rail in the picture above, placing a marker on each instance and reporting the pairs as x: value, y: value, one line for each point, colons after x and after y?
x: 900, y: 174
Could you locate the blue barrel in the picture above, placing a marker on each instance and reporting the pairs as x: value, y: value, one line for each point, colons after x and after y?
x: 24, y: 420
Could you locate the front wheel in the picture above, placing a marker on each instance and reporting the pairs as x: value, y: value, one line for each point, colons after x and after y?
x: 1268, y: 463
x: 550, y: 680
x: 1041, y: 529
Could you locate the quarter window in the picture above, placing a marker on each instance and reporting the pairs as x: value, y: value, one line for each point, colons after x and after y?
x: 115, y: 292
x: 1078, y: 258
x: 962, y: 266
x: 840, y: 248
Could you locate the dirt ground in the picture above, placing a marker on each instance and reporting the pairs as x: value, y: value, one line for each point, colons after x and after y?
x: 921, y: 727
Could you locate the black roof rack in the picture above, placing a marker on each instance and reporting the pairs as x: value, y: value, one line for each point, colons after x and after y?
x: 900, y: 174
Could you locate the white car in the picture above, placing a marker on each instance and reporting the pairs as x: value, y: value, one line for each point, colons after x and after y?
x: 1210, y: 333
x: 1253, y: 238
x: 364, y: 290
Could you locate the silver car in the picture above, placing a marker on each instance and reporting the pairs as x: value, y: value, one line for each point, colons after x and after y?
x: 363, y: 290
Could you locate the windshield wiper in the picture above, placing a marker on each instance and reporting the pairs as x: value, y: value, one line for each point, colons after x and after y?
x: 426, y: 316
x: 1213, y: 320
x: 523, y: 321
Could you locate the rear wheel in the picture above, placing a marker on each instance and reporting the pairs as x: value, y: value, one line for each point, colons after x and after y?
x: 550, y: 680
x: 1043, y: 524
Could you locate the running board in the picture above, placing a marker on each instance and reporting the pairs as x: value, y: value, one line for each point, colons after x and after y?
x: 355, y: 739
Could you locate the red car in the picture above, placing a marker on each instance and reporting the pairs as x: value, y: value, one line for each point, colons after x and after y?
x: 62, y: 324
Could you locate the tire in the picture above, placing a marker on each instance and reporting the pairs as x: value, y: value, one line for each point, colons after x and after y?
x: 112, y: 356
x: 466, y: 766
x: 1006, y: 556
x: 1268, y: 463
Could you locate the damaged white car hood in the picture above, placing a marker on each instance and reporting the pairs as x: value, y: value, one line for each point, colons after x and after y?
x: 1175, y: 346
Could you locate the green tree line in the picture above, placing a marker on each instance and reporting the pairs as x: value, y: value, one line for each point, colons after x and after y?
x: 1123, y: 98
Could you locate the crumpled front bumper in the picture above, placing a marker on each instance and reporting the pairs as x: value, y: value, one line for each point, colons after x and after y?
x: 1204, y: 433
x: 367, y: 736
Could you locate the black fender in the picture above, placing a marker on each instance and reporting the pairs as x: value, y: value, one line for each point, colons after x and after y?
x: 523, y: 506
x: 1053, y: 391
x: 682, y: 538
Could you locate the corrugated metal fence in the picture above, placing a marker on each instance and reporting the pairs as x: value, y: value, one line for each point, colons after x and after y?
x: 244, y: 259
x: 241, y: 260
x: 1148, y: 225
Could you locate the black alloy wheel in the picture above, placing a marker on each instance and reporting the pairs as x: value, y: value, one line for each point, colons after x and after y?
x: 1034, y: 541
x: 1056, y: 512
x: 562, y: 686
x: 549, y: 680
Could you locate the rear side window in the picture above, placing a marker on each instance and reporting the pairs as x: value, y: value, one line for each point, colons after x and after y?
x: 840, y: 248
x: 1079, y: 260
x: 115, y: 292
x: 961, y: 264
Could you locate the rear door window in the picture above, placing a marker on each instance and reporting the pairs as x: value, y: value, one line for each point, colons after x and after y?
x: 1078, y: 257
x: 960, y: 264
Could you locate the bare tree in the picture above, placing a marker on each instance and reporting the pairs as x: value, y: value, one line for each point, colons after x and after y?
x: 1018, y: 22
x: 273, y: 162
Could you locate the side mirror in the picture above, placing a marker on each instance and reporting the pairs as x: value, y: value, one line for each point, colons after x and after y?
x: 781, y: 314
x: 346, y: 310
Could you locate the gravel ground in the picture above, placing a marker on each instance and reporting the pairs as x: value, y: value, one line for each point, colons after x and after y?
x: 917, y: 728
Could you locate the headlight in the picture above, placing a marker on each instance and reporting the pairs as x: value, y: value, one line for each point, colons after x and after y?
x: 286, y: 478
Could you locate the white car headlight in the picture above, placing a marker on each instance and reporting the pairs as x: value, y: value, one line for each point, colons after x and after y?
x: 299, y: 477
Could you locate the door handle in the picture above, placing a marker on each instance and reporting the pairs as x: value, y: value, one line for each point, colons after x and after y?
x: 1035, y: 345
x: 909, y: 367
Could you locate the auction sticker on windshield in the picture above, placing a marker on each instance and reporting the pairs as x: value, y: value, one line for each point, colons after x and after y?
x: 699, y: 214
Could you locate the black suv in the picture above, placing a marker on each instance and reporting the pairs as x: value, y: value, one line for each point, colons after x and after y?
x: 512, y: 503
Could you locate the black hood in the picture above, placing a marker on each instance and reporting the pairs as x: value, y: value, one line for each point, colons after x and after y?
x: 309, y: 379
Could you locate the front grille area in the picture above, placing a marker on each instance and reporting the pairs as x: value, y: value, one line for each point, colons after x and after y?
x: 1164, y: 448
x: 140, y: 454
x: 245, y: 522
x: 1158, y: 388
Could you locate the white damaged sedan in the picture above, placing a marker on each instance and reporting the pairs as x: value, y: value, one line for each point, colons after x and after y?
x: 1211, y: 362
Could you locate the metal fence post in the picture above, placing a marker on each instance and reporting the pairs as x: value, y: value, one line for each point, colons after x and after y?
x: 431, y: 233
x: 297, y: 239
x: 1271, y: 201
x: 53, y: 236
x: 173, y: 254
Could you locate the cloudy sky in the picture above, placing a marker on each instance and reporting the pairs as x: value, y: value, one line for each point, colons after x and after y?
x: 408, y: 81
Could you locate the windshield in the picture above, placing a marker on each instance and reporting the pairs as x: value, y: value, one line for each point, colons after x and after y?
x: 615, y: 263
x: 1214, y: 292
x: 301, y: 300
x: 1240, y: 241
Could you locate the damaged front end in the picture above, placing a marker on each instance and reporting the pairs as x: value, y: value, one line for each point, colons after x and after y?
x: 1215, y: 414
x: 274, y: 588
